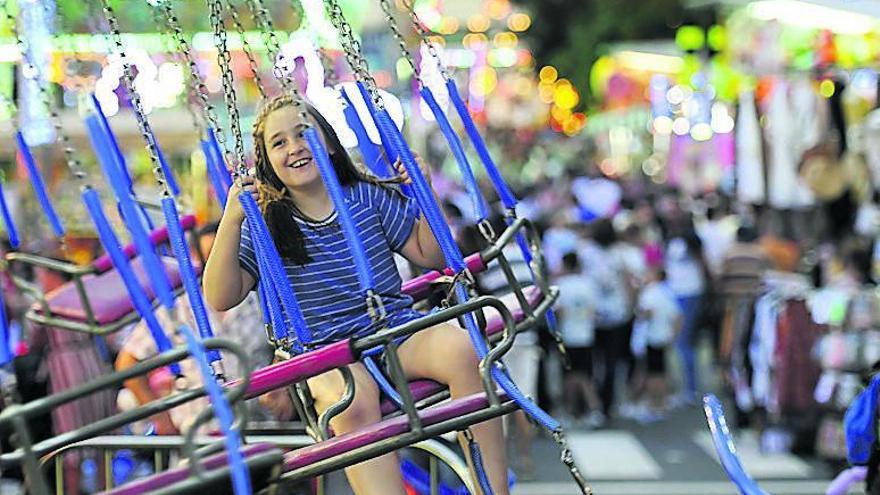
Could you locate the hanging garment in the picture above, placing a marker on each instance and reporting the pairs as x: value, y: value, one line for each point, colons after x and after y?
x: 749, y: 160
x: 797, y: 373
x: 808, y: 117
x: 761, y: 348
x: 785, y: 189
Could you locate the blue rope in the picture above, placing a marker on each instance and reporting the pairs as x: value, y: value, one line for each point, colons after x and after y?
x: 187, y: 275
x: 504, y: 192
x: 354, y: 241
x: 420, y: 480
x: 241, y: 481
x: 423, y: 193
x: 265, y: 246
x: 455, y: 261
x: 120, y: 262
x: 120, y: 159
x: 117, y: 152
x: 467, y: 173
x: 166, y: 169
x: 390, y: 150
x: 113, y: 164
x: 479, y: 468
x: 387, y: 145
x: 39, y: 186
x: 216, y: 180
x: 219, y: 161
x: 271, y: 303
x: 7, y: 353
x: 507, y: 198
x: 369, y: 151
x: 724, y: 447
x: 11, y: 229
x: 383, y: 382
x: 154, y: 267
x: 334, y: 189
x: 500, y: 375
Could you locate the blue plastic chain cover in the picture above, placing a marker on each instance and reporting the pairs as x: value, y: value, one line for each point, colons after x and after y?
x: 370, y: 153
x: 39, y: 186
x: 8, y: 221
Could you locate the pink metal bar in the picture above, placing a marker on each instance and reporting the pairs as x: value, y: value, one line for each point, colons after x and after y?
x: 299, y: 368
x: 157, y: 236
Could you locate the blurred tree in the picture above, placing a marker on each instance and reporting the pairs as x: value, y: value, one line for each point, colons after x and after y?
x: 571, y: 34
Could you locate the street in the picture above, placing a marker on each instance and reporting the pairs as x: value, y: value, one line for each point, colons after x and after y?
x: 671, y: 457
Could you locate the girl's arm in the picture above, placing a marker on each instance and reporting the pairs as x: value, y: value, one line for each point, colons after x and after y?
x: 422, y: 248
x: 224, y: 281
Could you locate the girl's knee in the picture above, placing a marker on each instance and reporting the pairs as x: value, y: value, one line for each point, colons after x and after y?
x: 461, y: 354
x: 463, y: 363
x: 363, y: 410
x: 330, y: 388
x: 364, y: 406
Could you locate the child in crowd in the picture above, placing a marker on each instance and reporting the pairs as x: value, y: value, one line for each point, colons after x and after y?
x: 658, y: 321
x: 576, y: 310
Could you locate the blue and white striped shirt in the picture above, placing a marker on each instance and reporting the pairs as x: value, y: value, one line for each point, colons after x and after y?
x: 327, y: 287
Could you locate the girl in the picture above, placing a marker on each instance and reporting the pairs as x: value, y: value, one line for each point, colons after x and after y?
x: 302, y: 221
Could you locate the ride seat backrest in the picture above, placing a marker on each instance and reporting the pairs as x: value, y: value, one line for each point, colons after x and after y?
x: 158, y: 237
x: 94, y: 300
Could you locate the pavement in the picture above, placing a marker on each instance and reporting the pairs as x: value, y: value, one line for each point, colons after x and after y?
x: 674, y: 456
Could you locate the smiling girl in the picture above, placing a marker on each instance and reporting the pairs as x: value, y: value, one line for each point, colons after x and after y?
x: 303, y: 223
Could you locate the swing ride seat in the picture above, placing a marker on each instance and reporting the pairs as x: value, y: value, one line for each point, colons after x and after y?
x: 96, y: 300
x: 444, y: 417
x: 339, y: 354
x: 725, y: 449
x: 370, y: 441
x: 265, y: 461
x: 262, y: 459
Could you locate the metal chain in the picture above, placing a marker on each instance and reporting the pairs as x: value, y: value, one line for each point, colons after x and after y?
x: 76, y: 167
x: 196, y: 83
x: 233, y: 11
x: 568, y: 459
x: 425, y: 36
x: 191, y: 98
x: 261, y: 15
x: 140, y: 116
x: 265, y: 22
x: 353, y: 52
x: 225, y: 61
x: 401, y: 42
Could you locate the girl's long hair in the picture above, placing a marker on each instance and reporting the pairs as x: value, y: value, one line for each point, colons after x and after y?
x: 275, y: 201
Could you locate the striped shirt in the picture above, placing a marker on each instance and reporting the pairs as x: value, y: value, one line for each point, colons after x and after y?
x: 327, y: 287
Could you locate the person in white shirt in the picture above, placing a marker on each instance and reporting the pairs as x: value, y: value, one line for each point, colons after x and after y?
x: 606, y: 266
x: 659, y: 319
x: 688, y: 279
x: 576, y: 311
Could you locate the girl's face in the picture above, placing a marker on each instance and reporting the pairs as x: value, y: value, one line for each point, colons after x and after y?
x: 288, y: 151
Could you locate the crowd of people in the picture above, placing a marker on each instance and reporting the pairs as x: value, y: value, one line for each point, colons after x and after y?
x: 657, y: 289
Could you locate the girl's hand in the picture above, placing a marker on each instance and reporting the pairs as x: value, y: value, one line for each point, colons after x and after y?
x: 233, y: 205
x: 401, y: 170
